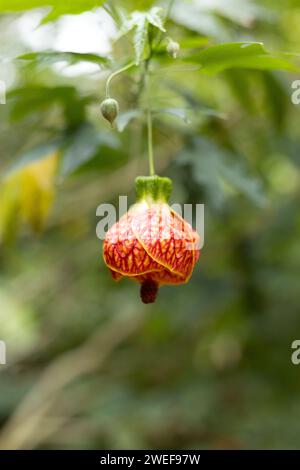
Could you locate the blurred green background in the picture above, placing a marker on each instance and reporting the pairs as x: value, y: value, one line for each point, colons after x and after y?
x: 208, y: 365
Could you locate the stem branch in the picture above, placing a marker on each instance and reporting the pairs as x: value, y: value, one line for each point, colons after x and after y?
x: 150, y: 143
x: 126, y: 67
x: 148, y: 111
x: 146, y: 77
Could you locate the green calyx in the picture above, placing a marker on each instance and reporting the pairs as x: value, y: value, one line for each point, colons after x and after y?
x: 153, y: 188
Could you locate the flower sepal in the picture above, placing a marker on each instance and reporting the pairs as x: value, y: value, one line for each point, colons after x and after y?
x: 153, y: 189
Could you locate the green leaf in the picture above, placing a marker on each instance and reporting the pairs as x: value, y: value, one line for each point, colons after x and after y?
x: 49, y: 57
x: 277, y: 97
x: 31, y: 99
x: 71, y: 8
x: 193, y: 42
x: 59, y: 7
x: 34, y: 154
x: 251, y: 55
x: 207, y: 17
x: 83, y: 146
x: 124, y: 119
x: 154, y: 18
x: 194, y: 103
x: 242, y: 12
x: 216, y: 169
x: 140, y: 38
x: 252, y: 89
x: 180, y: 113
x: 202, y: 22
x: 139, y: 22
x: 240, y: 83
x: 236, y: 175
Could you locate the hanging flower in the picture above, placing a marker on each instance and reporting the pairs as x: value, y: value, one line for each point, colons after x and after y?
x: 151, y: 243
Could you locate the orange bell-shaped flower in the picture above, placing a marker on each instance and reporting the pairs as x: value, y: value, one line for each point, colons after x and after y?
x: 151, y: 243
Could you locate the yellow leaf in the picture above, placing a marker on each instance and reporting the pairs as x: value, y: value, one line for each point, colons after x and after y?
x: 9, y: 209
x: 37, y: 191
x: 27, y: 195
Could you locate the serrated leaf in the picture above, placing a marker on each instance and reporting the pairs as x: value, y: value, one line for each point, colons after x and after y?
x: 140, y: 38
x: 155, y: 19
x: 250, y: 55
x: 139, y: 22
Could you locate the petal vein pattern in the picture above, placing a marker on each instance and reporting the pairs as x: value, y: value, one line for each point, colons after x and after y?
x: 152, y: 242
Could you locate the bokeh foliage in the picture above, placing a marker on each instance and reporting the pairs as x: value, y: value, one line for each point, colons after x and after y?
x: 208, y: 365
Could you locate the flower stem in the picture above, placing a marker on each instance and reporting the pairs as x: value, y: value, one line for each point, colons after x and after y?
x: 148, y: 111
x: 169, y: 8
x: 168, y: 12
x: 112, y: 75
x: 150, y: 143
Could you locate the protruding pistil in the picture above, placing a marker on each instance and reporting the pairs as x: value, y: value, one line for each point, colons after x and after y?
x: 149, y: 291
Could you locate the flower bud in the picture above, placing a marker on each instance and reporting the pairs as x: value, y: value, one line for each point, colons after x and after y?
x: 173, y: 48
x: 109, y: 109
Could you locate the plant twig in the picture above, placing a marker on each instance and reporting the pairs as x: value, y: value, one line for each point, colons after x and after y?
x: 114, y: 74
x: 150, y: 142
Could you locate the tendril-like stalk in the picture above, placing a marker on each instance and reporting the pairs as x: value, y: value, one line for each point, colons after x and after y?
x: 114, y: 74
